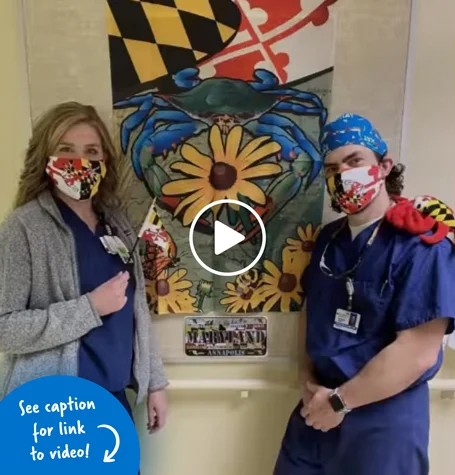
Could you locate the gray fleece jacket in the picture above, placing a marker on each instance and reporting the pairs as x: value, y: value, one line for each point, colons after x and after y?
x: 42, y: 314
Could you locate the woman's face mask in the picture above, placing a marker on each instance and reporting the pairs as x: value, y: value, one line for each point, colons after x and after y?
x: 353, y: 190
x: 77, y: 178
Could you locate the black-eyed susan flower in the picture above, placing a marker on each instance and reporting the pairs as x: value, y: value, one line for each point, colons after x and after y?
x: 243, y: 295
x: 226, y: 174
x: 281, y: 287
x: 300, y: 250
x: 169, y: 293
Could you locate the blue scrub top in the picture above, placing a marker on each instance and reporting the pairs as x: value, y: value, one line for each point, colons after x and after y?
x: 106, y: 353
x: 400, y: 284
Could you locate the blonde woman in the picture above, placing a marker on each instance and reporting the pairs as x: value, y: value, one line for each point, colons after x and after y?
x: 70, y: 302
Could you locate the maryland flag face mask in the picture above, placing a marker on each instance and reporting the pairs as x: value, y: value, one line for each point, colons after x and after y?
x: 78, y: 178
x: 353, y: 190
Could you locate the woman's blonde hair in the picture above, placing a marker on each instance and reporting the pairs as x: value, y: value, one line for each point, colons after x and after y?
x: 47, y: 133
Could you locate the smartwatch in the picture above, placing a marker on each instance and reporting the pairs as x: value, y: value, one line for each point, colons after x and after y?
x: 337, y: 402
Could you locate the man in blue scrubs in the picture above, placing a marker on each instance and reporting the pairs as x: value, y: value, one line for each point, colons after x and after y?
x: 378, y: 304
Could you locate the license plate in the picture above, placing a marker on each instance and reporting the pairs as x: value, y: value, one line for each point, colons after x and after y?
x: 226, y: 336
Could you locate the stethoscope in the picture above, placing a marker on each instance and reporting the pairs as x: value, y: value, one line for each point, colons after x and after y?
x: 348, y: 274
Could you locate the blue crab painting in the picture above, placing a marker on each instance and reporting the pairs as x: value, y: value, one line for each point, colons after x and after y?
x: 170, y: 120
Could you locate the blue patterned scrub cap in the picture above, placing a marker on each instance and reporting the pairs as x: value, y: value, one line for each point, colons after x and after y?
x: 351, y: 129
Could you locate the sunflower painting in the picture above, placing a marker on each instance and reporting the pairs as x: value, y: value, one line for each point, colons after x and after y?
x: 281, y: 287
x: 227, y: 173
x: 248, y: 141
x: 170, y: 293
x: 242, y: 295
x: 274, y: 288
x: 299, y: 250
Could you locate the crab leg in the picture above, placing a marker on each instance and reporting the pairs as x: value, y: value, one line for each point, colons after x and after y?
x: 300, y: 109
x: 133, y: 101
x: 133, y: 121
x: 166, y: 140
x: 294, y: 143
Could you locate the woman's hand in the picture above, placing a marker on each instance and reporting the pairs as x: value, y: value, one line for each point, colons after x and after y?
x: 110, y: 297
x: 156, y: 410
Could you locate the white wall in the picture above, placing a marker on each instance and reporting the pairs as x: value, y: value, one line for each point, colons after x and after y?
x: 428, y: 148
x: 428, y: 153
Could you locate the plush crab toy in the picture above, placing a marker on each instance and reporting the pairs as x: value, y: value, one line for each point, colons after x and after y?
x: 421, y: 215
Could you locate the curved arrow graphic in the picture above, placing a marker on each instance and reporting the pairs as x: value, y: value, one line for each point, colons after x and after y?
x: 108, y: 457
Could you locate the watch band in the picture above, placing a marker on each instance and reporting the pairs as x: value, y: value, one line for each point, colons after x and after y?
x: 337, y: 402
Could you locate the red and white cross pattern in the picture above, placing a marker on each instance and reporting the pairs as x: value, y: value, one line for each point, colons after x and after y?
x: 293, y: 39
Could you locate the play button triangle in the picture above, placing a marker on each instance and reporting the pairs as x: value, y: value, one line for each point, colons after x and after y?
x: 225, y: 238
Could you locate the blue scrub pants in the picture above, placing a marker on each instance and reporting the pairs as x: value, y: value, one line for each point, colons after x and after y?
x: 386, y: 438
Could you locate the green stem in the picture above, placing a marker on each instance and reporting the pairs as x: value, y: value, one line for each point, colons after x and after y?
x: 200, y: 302
x: 245, y: 219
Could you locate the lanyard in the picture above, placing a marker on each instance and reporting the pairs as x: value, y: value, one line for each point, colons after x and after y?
x: 349, y: 273
x: 109, y: 231
x: 112, y: 242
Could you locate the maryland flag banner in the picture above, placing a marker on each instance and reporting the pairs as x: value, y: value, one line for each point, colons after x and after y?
x: 214, y: 100
x: 150, y: 40
x: 153, y: 230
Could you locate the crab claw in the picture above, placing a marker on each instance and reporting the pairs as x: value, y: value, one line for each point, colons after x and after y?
x: 187, y: 78
x: 441, y: 231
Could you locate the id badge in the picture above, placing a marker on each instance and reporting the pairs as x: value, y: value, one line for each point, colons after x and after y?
x: 107, y: 244
x: 121, y: 249
x: 347, y: 321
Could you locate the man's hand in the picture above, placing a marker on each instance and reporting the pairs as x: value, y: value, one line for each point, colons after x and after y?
x: 306, y: 393
x: 156, y: 410
x: 318, y: 413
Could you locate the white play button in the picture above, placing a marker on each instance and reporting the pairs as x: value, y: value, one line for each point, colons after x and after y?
x: 225, y: 238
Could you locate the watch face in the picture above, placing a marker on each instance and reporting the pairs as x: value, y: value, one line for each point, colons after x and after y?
x: 336, y: 403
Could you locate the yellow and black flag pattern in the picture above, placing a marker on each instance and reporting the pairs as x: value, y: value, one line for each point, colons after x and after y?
x: 152, y: 39
x: 438, y: 210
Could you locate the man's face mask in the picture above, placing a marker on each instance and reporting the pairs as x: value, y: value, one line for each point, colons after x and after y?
x: 78, y: 178
x: 353, y: 190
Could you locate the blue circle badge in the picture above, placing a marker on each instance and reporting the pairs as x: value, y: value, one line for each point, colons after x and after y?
x: 63, y: 424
